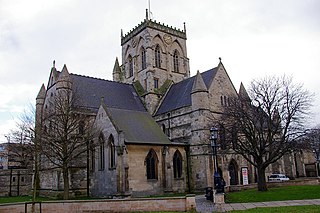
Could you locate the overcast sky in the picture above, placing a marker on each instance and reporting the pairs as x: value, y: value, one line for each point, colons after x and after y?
x: 253, y: 38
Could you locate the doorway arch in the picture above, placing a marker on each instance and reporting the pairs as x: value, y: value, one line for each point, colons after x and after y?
x: 233, y: 172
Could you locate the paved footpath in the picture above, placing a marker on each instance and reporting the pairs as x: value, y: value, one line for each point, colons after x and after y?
x: 206, y: 206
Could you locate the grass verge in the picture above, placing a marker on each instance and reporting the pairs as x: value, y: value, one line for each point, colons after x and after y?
x: 284, y: 209
x: 275, y: 194
x: 21, y: 199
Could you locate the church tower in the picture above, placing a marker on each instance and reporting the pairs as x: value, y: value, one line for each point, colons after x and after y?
x: 153, y: 56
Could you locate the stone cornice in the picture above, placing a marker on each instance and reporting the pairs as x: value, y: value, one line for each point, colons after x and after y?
x: 154, y: 25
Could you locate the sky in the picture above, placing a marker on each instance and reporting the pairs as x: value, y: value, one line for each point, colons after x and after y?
x: 253, y: 38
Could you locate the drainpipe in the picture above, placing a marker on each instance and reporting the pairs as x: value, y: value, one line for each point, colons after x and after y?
x: 187, y: 149
x: 88, y: 168
x: 169, y: 125
x: 18, y: 188
x: 10, y: 182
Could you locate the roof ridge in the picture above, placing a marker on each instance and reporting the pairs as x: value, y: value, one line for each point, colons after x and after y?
x: 194, y: 76
x: 97, y: 78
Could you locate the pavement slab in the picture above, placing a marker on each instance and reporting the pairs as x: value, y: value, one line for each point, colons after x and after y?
x: 207, y: 206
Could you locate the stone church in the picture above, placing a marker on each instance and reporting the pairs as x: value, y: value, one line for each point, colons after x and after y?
x: 154, y: 121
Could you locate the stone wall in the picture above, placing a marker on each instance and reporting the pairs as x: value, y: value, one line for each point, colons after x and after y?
x: 182, y: 204
x: 21, y: 182
x: 104, y: 179
x: 51, y: 182
x: 165, y: 182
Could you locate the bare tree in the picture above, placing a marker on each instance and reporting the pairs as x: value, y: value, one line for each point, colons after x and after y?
x: 266, y: 124
x: 66, y: 133
x: 21, y: 147
x: 311, y: 141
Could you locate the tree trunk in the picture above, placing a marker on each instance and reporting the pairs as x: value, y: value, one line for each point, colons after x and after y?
x: 65, y: 172
x: 262, y: 184
x: 36, y: 178
x: 36, y: 181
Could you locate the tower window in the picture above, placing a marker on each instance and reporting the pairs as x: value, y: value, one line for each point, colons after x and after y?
x: 145, y: 84
x: 130, y: 66
x: 164, y: 128
x: 151, y: 165
x: 177, y: 164
x: 157, y: 57
x: 143, y: 59
x: 156, y: 83
x: 176, y: 61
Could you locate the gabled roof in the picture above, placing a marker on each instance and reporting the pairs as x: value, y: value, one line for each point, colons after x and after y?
x: 116, y: 95
x: 123, y: 106
x: 179, y: 94
x: 138, y: 127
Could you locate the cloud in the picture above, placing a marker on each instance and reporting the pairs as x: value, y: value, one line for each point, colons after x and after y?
x: 14, y: 97
x: 5, y: 128
x: 252, y: 37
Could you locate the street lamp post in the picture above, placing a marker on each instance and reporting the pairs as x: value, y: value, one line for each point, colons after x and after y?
x: 218, y: 182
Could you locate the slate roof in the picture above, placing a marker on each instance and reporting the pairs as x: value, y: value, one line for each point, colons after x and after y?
x: 124, y: 107
x: 138, y: 127
x: 179, y: 94
x: 116, y: 95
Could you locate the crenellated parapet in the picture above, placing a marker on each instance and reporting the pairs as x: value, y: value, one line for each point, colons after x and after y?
x: 154, y: 25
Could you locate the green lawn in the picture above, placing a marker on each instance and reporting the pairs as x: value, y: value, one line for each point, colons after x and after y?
x: 284, y: 209
x: 275, y: 194
x: 21, y: 199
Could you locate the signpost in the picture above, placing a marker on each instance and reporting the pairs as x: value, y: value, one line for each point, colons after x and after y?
x: 244, y: 172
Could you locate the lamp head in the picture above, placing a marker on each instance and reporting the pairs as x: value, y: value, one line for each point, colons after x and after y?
x: 213, y: 133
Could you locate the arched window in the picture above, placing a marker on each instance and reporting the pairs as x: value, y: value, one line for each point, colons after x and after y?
x: 92, y: 154
x: 157, y: 56
x: 112, y: 152
x: 81, y: 127
x: 130, y: 60
x: 101, y: 153
x: 177, y: 164
x: 143, y: 59
x: 176, y: 61
x: 152, y: 165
